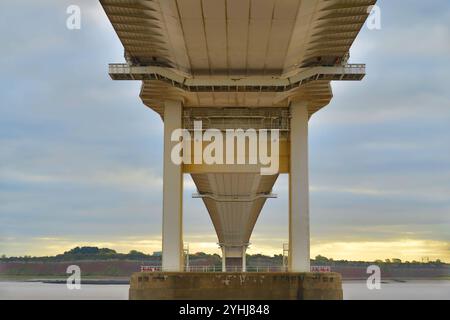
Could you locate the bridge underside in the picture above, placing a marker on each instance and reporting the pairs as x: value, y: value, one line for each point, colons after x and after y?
x: 261, y: 64
x: 234, y: 202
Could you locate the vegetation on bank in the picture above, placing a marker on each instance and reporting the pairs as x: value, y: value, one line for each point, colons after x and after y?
x: 103, y: 262
x: 83, y: 253
x: 321, y: 260
x: 104, y: 254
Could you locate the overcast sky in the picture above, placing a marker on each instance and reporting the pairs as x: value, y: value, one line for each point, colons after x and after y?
x: 81, y: 156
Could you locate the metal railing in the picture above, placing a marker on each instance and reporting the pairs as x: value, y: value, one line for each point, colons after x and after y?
x: 352, y: 72
x: 219, y: 269
x: 316, y: 269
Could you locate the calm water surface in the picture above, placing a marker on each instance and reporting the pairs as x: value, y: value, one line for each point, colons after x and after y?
x: 417, y: 289
x: 393, y: 290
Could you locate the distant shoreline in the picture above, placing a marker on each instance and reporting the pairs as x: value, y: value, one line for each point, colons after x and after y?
x: 107, y: 264
x: 107, y: 280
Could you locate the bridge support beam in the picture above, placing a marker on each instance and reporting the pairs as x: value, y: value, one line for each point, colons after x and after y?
x: 244, y: 259
x: 224, y: 260
x: 172, y: 233
x: 299, y: 254
x: 234, y: 258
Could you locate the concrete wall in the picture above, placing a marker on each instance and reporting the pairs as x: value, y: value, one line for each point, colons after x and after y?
x: 236, y: 286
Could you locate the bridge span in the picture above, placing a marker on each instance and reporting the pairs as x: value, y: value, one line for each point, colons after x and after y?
x: 237, y: 64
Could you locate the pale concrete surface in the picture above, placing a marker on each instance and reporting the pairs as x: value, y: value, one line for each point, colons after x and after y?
x: 235, y: 286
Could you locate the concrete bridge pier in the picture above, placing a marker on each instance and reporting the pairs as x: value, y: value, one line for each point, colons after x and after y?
x: 210, y: 64
x: 299, y: 255
x: 235, y: 286
x: 172, y: 230
x: 234, y: 258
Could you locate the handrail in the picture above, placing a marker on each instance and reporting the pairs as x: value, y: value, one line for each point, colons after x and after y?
x: 213, y: 268
x: 232, y: 84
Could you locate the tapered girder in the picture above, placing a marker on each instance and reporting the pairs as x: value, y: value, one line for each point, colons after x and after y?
x: 239, y: 63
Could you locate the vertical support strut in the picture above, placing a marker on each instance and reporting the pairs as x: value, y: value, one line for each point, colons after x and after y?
x: 299, y: 246
x: 244, y: 259
x: 172, y: 233
x: 224, y: 263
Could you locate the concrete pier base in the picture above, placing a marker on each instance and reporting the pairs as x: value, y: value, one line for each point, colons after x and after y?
x: 235, y: 286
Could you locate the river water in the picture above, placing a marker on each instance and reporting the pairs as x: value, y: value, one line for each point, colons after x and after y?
x: 353, y: 290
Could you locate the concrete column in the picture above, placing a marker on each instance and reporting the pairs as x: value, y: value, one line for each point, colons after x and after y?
x: 233, y: 258
x: 299, y: 255
x: 172, y: 233
x: 224, y: 263
x: 244, y: 259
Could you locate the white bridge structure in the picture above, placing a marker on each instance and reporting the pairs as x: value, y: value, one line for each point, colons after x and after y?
x: 237, y: 64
